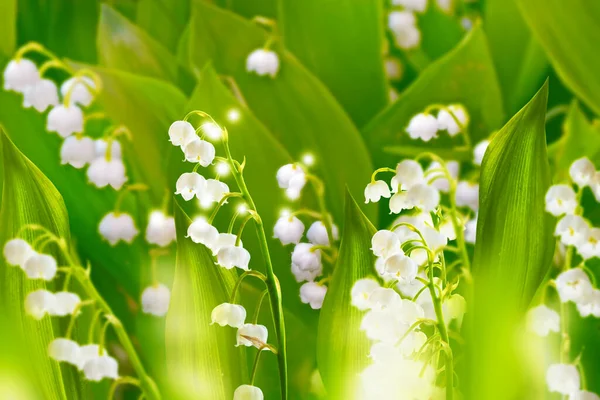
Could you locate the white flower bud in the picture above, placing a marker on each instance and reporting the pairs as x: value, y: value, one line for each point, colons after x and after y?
x: 41, y: 266
x: 306, y: 275
x: 305, y: 258
x: 39, y: 303
x: 582, y: 172
x: 361, y: 293
x: 200, y: 151
x: 563, y: 378
x: 190, y: 184
x: 317, y: 233
x: 312, y: 293
x: 288, y: 229
x: 408, y: 174
x: 233, y: 256
x: 212, y: 192
x: 425, y: 197
x: 20, y: 74
x: 263, y: 62
x: 224, y: 314
x: 248, y: 392
x: 447, y: 122
x: 200, y: 231
x: 77, y: 151
x: 467, y: 195
x: 542, y: 320
x: 65, y: 120
x: 181, y: 133
x: 80, y: 89
x: 583, y: 395
x: 438, y: 179
x: 385, y: 243
x: 156, y: 299
x: 17, y: 252
x: 41, y: 95
x: 65, y: 303
x: 401, y: 267
x: 573, y: 285
x: 101, y: 367
x: 161, y: 229
x: 479, y: 151
x: 471, y: 231
x: 404, y: 28
x: 591, y: 305
x: 115, y: 227
x: 561, y: 199
x: 376, y: 190
x: 573, y: 230
x: 422, y: 126
x: 87, y: 353
x: 258, y: 332
x: 103, y: 172
x: 64, y: 350
x: 101, y: 146
x: 591, y: 246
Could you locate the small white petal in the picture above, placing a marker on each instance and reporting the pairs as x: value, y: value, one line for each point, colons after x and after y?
x: 200, y: 151
x: 404, y: 29
x: 190, y: 184
x: 361, y: 293
x: 181, y: 133
x: 248, y: 392
x: 65, y: 350
x: 18, y: 75
x: 288, y: 230
x: 224, y: 314
x: 561, y: 199
x: 103, y: 172
x: 233, y: 256
x: 312, y: 293
x: 17, y: 252
x: 78, y: 151
x: 80, y: 89
x: 582, y: 171
x: 376, y: 190
x: 317, y: 233
x: 574, y: 285
x: 65, y: 303
x: 116, y: 227
x: 467, y: 195
x: 161, y: 229
x: 101, y: 367
x: 156, y: 299
x: 447, y: 119
x: 263, y: 62
x: 39, y: 303
x: 65, y: 120
x: 200, y: 231
x: 41, y: 95
x: 258, y: 332
x: 563, y: 378
x: 422, y: 126
x: 306, y: 258
x: 41, y: 266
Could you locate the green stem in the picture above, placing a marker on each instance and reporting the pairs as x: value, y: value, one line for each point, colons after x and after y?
x: 220, y: 204
x: 258, y: 305
x: 319, y: 189
x: 120, y: 381
x: 255, y: 366
x: 241, y: 229
x: 241, y: 278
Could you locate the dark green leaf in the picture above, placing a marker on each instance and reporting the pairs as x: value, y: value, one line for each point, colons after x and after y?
x: 164, y: 20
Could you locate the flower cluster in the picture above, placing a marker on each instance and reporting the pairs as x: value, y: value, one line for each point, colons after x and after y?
x: 453, y: 119
x: 402, y: 22
x: 264, y: 61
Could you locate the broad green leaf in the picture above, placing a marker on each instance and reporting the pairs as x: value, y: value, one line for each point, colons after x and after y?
x: 8, y: 27
x: 164, y: 20
x: 342, y: 348
x: 440, y: 32
x: 250, y: 9
x: 513, y: 251
x: 465, y: 75
x: 294, y: 106
x: 569, y: 34
x: 519, y: 59
x: 328, y: 37
x: 122, y: 45
x: 202, y: 359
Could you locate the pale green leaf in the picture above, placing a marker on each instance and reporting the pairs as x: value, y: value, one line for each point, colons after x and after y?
x: 164, y: 20
x: 8, y: 27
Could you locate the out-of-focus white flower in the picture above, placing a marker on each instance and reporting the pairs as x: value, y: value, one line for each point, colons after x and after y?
x: 212, y: 131
x: 312, y: 293
x: 595, y: 186
x: 156, y: 299
x: 542, y: 320
x: 403, y: 25
x: 582, y: 171
x: 401, y: 267
x: 64, y: 350
x: 233, y: 315
x: 161, y: 229
x: 479, y: 151
x: 288, y: 229
x: 181, y: 133
x: 573, y: 230
x: 233, y: 256
x: 306, y: 275
x: 438, y: 179
x: 446, y: 228
x: 447, y: 119
x: 212, y: 192
x: 190, y: 184
x: 561, y: 199
x: 411, y: 5
x: 17, y: 252
x: 385, y: 243
x: 591, y: 305
x: 103, y: 172
x: 400, y: 201
x: 383, y: 298
x: 317, y: 233
x: 199, y: 151
x: 224, y: 240
x: 102, y: 148
x: 200, y: 231
x: 422, y: 126
x: 101, y: 367
x: 77, y: 151
x: 361, y: 292
x: 471, y: 231
x: 88, y: 352
x: 383, y: 325
x: 583, y: 395
x: 41, y: 95
x: 573, y: 285
x: 563, y: 378
x: 263, y: 62
x: 65, y: 303
x: 376, y: 190
x: 445, y: 5
x: 40, y: 266
x: 20, y: 74
x: 425, y: 197
x: 591, y: 246
x: 39, y: 303
x: 408, y: 174
x: 258, y: 332
x: 115, y: 227
x: 401, y: 379
x: 65, y: 120
x: 248, y: 392
x: 393, y: 68
x: 433, y: 239
x: 467, y: 195
x: 306, y: 258
x: 80, y: 89
x: 292, y: 178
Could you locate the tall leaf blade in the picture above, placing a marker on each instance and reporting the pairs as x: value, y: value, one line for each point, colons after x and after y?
x: 8, y: 27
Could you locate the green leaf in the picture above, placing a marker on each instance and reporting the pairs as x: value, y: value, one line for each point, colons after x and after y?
x: 328, y: 37
x: 124, y: 46
x: 513, y: 251
x: 342, y: 348
x: 570, y: 36
x: 164, y: 20
x: 465, y: 75
x: 250, y: 9
x: 202, y: 358
x: 8, y: 27
x: 440, y: 32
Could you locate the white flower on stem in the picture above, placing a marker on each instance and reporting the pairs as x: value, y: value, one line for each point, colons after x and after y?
x: 64, y: 350
x: 591, y: 246
x: 292, y: 178
x: 288, y: 229
x: 190, y: 184
x: 479, y: 151
x: 385, y: 243
x: 224, y: 314
x: 20, y: 74
x: 233, y: 256
x: 248, y: 392
x: 573, y: 230
x: 181, y: 133
x: 433, y: 239
x: 403, y: 25
x: 17, y: 252
x: 296, y: 185
x: 161, y: 229
x: 376, y: 190
x: 583, y: 395
x: 263, y: 62
x: 411, y: 5
x: 401, y: 267
x: 446, y: 228
x: 467, y: 195
x: 383, y: 325
x: 199, y: 151
x: 425, y: 197
x: 573, y: 285
x: 408, y: 174
x: 101, y: 146
x: 212, y: 192
x: 39, y: 303
x: 65, y: 120
x: 257, y: 332
x: 383, y: 298
x: 471, y: 231
x: 200, y: 231
x: 80, y: 89
x: 384, y: 353
x: 447, y: 119
x: 101, y: 367
x: 65, y: 303
x: 561, y: 199
x: 542, y: 320
x: 400, y: 201
x: 306, y: 258
x: 115, y: 227
x: 408, y: 311
x: 41, y: 95
x: 156, y: 299
x: 77, y: 151
x: 306, y: 275
x: 438, y: 179
x: 87, y: 353
x: 422, y: 126
x: 412, y: 343
x: 317, y: 233
x: 582, y: 171
x: 103, y: 172
x: 212, y: 131
x: 361, y: 293
x: 591, y: 305
x: 563, y: 378
x: 312, y: 293
x: 224, y: 240
x: 41, y: 266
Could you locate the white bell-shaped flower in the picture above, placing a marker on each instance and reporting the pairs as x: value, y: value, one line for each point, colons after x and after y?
x: 385, y: 243
x: 591, y: 246
x: 582, y: 171
x: 454, y: 308
x: 583, y: 395
x: 64, y: 350
x: 403, y: 25
x: 408, y: 312
x: 317, y: 233
x: 65, y: 303
x: 161, y: 229
x: 41, y: 95
x: 422, y: 126
x: 411, y: 5
x: 65, y: 120
x: 101, y: 367
x: 383, y: 325
x: 361, y: 293
x: 263, y: 62
x: 561, y: 199
x: 17, y: 252
x: 80, y: 89
x: 563, y: 378
x: 233, y: 256
x: 453, y: 119
x: 479, y: 151
x: 200, y: 151
x: 433, y: 239
x: 288, y: 229
x: 376, y: 190
x: 573, y: 285
x: 41, y: 266
x: 87, y: 353
x: 224, y: 314
x: 103, y: 172
x: 181, y: 133
x: 115, y: 227
x: 393, y: 69
x: 399, y: 202
x: 156, y: 299
x: 591, y: 305
x: 438, y: 179
x: 573, y: 230
x: 200, y: 231
x: 213, y: 192
x: 77, y: 151
x: 401, y: 267
x: 425, y: 197
x: 467, y: 195
x: 224, y: 240
x: 306, y: 275
x: 286, y: 173
x: 382, y: 298
x: 295, y: 186
x: 101, y: 146
x: 212, y: 131
x: 39, y: 303
x: 248, y: 392
x: 312, y: 293
x: 20, y: 74
x: 258, y: 332
x: 408, y: 174
x: 384, y: 353
x: 190, y: 184
x: 413, y: 342
x: 306, y: 258
x: 471, y: 231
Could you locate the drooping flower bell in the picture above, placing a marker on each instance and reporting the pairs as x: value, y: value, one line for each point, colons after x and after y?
x: 224, y: 314
x: 563, y: 378
x: 200, y: 231
x: 89, y: 352
x: 408, y: 174
x: 64, y: 350
x: 101, y: 146
x: 292, y: 178
x: 479, y: 151
x: 423, y: 196
x: 403, y: 25
x: 115, y: 227
x: 80, y: 90
x: 41, y: 95
x: 573, y: 285
x: 467, y: 195
x: 401, y: 267
x: 263, y: 62
x: 248, y: 392
x: 101, y: 367
x: 542, y: 320
x: 65, y: 120
x: 39, y: 303
x: 447, y: 119
x: 438, y: 179
x: 161, y: 229
x: 288, y: 229
x: 200, y: 151
x: 317, y: 233
x: 103, y: 172
x: 20, y: 74
x: 212, y: 192
x: 17, y: 252
x: 156, y: 299
x: 41, y: 266
x: 582, y: 171
x: 224, y: 240
x: 385, y: 243
x: 302, y: 275
x: 233, y: 256
x: 306, y: 258
x: 258, y: 332
x: 361, y: 293
x: 422, y: 126
x: 65, y: 303
x: 181, y: 133
x: 190, y: 184
x: 376, y: 190
x: 78, y: 151
x: 573, y: 230
x: 312, y: 293
x: 561, y: 199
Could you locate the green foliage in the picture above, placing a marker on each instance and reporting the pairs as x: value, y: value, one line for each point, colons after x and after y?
x: 8, y: 22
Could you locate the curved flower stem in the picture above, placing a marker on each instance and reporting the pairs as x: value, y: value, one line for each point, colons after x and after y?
x: 319, y: 189
x: 241, y: 278
x: 272, y: 282
x: 258, y: 305
x: 121, y: 381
